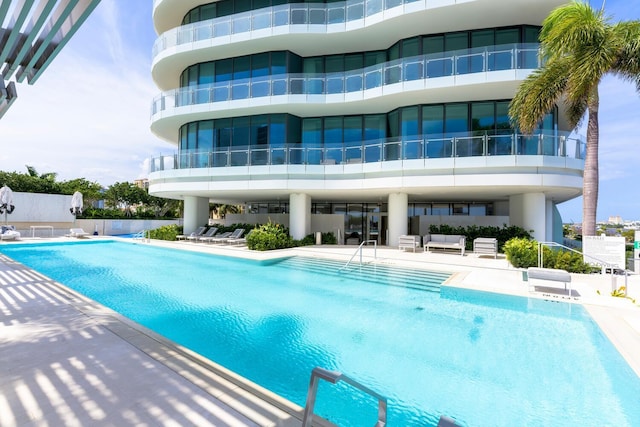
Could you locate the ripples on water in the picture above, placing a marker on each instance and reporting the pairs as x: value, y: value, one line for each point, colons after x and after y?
x: 484, y: 359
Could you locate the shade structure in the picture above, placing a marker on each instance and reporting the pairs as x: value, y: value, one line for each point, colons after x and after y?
x: 76, y: 203
x: 6, y: 200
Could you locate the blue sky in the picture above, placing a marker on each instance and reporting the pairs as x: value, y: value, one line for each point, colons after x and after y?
x: 88, y: 115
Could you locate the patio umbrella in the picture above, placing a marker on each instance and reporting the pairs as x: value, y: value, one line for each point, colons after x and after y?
x: 6, y: 200
x: 76, y: 203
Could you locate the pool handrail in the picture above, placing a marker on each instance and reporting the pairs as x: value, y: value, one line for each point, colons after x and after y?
x: 142, y: 235
x: 375, y: 252
x: 602, y: 263
x: 333, y: 377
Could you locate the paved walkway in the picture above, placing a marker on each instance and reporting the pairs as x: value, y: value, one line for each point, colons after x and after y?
x: 65, y: 360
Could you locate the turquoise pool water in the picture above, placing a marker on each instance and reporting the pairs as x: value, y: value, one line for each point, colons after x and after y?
x: 484, y: 359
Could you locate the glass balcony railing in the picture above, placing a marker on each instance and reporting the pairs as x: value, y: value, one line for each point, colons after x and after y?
x: 409, y: 148
x: 417, y: 68
x: 309, y: 14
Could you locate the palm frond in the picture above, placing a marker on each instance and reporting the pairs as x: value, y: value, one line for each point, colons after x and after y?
x: 538, y: 94
x: 627, y: 63
x: 576, y: 109
x: 570, y: 27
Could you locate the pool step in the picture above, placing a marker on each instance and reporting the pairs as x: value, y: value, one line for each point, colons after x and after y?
x: 417, y: 279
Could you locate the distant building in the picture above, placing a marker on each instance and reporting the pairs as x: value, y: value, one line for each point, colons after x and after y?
x: 141, y: 183
x: 32, y: 33
x: 373, y: 118
x: 616, y: 220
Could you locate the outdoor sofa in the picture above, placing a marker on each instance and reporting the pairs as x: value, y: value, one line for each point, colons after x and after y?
x: 444, y: 241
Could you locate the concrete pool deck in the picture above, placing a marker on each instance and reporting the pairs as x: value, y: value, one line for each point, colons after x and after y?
x: 66, y: 360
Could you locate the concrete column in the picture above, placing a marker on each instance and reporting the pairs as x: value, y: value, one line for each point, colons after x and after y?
x: 548, y: 232
x: 299, y: 215
x: 196, y: 213
x: 529, y: 211
x: 398, y: 216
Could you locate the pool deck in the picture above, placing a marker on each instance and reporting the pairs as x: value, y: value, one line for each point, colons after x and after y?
x: 66, y: 360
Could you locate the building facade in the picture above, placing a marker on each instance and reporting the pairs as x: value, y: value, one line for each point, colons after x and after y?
x: 369, y: 118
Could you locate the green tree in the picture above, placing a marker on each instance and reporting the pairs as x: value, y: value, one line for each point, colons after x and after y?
x: 221, y: 210
x: 123, y: 195
x: 91, y: 191
x: 162, y: 207
x: 579, y: 46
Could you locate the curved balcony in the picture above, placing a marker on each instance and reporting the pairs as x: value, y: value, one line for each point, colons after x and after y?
x: 427, y: 72
x: 331, y: 16
x: 568, y: 152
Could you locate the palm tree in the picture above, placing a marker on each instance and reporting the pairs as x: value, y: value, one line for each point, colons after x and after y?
x: 578, y: 45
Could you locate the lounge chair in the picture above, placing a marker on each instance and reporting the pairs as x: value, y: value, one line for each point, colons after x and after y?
x: 210, y: 233
x: 77, y: 233
x: 198, y: 232
x: 220, y: 237
x: 8, y: 232
x: 236, y: 237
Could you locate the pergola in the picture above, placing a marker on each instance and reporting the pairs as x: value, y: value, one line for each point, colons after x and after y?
x: 32, y: 33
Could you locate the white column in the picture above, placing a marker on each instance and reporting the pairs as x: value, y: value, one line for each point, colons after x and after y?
x: 548, y: 234
x: 196, y: 213
x: 398, y: 216
x: 299, y: 215
x: 529, y: 211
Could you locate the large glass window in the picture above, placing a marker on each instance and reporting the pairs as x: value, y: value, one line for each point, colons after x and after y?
x: 437, y: 63
x: 456, y: 119
x: 312, y: 132
x: 446, y: 54
x: 433, y: 131
x: 482, y: 118
x: 412, y: 140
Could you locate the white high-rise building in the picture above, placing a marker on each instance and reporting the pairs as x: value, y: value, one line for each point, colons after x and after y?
x: 372, y: 117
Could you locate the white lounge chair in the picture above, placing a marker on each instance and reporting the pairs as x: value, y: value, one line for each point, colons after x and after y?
x: 8, y: 232
x: 198, y: 232
x: 220, y: 237
x: 210, y: 233
x: 77, y: 233
x: 236, y: 237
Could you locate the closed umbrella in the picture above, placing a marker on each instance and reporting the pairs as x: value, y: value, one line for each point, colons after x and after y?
x: 76, y: 203
x: 6, y: 201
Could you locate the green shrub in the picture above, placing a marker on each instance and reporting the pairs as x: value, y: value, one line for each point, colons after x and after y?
x: 502, y: 234
x: 565, y: 260
x: 310, y: 239
x: 224, y: 228
x: 521, y: 252
x: 329, y: 238
x: 269, y: 237
x: 166, y: 232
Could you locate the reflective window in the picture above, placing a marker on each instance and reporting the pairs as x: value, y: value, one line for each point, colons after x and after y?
x: 482, y: 118
x: 277, y: 130
x: 205, y: 135
x: 312, y: 132
x: 456, y: 119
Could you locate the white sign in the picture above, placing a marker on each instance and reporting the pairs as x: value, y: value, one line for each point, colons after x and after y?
x: 636, y: 252
x: 601, y: 250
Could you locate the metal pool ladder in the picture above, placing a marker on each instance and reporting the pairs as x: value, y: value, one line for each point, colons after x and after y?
x: 143, y: 236
x: 375, y: 252
x: 333, y: 377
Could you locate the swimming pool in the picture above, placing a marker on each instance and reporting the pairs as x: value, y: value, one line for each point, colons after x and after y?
x: 485, y: 359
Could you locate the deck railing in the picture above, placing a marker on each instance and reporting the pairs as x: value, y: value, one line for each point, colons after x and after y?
x: 417, y: 69
x: 314, y: 15
x: 382, y: 150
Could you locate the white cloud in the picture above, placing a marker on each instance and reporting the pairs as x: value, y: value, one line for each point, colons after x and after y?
x: 88, y: 115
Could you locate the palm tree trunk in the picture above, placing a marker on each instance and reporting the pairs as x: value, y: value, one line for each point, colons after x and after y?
x: 590, y: 179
